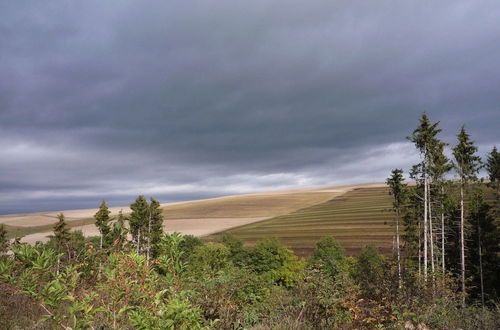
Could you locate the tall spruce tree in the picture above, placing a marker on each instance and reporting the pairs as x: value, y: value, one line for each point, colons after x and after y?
x: 398, y: 192
x: 61, y: 238
x: 424, y: 138
x: 139, y: 222
x: 493, y: 169
x: 155, y: 228
x: 102, y: 222
x: 467, y: 165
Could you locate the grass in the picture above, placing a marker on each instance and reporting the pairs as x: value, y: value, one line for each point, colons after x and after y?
x: 357, y: 218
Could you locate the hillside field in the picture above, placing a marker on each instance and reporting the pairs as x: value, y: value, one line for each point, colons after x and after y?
x: 356, y: 218
x: 356, y: 215
x: 199, y: 217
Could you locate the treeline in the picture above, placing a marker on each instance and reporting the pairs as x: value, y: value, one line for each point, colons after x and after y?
x: 448, y: 224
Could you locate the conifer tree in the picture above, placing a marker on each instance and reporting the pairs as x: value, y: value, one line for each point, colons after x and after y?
x: 61, y: 237
x: 4, y: 241
x: 493, y: 169
x: 139, y: 221
x: 467, y: 165
x: 102, y: 221
x: 155, y: 228
x: 398, y: 192
x: 424, y: 138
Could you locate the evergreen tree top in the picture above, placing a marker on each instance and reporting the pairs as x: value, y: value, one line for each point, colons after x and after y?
x: 440, y: 164
x: 140, y: 212
x: 140, y: 204
x: 61, y: 232
x: 155, y: 208
x: 493, y: 165
x: 424, y: 135
x: 102, y: 215
x: 466, y: 162
x: 396, y: 183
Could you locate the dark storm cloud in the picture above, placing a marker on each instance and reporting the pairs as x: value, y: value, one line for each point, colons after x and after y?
x: 194, y: 99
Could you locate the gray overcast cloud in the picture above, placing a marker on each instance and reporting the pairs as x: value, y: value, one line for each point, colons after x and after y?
x: 191, y: 99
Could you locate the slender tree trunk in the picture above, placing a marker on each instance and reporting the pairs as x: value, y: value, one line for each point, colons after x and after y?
x: 462, y: 241
x: 480, y: 262
x: 431, y: 237
x: 426, y: 229
x: 101, y: 242
x: 149, y: 240
x: 397, y: 248
x: 138, y: 241
x: 443, y: 251
x: 419, y: 251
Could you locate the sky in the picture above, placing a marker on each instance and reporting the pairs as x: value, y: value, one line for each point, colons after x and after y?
x: 193, y: 99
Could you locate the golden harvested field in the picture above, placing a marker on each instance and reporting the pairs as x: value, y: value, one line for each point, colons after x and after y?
x: 201, y: 217
x: 354, y: 214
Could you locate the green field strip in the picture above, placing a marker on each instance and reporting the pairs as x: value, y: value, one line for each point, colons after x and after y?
x: 20, y: 231
x: 356, y: 218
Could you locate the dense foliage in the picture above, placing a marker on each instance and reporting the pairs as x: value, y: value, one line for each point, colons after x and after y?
x: 195, y: 285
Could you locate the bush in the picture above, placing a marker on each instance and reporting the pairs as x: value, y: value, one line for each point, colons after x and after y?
x: 276, y: 263
x: 237, y: 253
x: 370, y: 271
x: 329, y: 256
x: 209, y: 259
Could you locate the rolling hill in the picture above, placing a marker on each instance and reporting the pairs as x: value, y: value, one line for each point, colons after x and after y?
x: 354, y: 214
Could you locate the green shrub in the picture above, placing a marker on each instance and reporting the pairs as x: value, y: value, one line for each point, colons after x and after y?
x: 329, y: 256
x: 209, y: 259
x: 276, y: 263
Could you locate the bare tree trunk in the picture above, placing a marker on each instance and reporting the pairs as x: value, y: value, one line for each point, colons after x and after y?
x: 431, y: 238
x: 149, y: 240
x: 101, y: 242
x: 443, y: 251
x: 394, y: 243
x: 138, y: 241
x: 462, y: 241
x: 419, y: 251
x: 480, y: 262
x: 426, y: 229
x: 398, y: 249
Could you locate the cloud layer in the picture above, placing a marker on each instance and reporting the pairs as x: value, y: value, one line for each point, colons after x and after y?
x: 195, y: 99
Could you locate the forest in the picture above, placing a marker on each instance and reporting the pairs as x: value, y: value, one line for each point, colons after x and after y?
x: 444, y: 270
